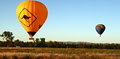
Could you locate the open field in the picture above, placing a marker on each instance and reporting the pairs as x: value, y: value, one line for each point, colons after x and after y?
x: 58, y: 53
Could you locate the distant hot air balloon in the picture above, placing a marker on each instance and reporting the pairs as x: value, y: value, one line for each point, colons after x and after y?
x: 100, y: 28
x: 32, y: 15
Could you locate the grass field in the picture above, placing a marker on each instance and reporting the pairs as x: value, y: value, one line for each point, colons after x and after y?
x: 58, y: 53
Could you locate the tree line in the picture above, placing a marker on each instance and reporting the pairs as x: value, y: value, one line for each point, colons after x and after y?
x: 40, y: 42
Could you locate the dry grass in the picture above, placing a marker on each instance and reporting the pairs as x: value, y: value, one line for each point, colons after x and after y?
x: 58, y: 53
x: 56, y: 56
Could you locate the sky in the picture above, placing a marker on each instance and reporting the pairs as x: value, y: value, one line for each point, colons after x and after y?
x: 68, y: 20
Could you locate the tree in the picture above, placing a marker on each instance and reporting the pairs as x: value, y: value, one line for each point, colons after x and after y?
x: 17, y: 42
x: 8, y: 36
x: 37, y: 42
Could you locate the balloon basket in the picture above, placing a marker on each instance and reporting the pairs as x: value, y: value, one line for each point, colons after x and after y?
x: 31, y: 38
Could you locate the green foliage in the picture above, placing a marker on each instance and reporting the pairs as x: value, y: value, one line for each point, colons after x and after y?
x: 40, y: 42
x: 8, y: 36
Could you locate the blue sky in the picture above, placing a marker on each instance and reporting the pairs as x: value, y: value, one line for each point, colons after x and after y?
x: 68, y: 20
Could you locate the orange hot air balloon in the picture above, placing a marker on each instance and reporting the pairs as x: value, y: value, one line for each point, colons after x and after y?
x: 32, y: 15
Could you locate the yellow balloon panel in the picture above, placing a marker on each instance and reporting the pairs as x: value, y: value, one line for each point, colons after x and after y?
x: 31, y: 15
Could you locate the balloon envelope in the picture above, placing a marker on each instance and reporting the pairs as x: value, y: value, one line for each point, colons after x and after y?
x: 31, y: 15
x: 100, y: 28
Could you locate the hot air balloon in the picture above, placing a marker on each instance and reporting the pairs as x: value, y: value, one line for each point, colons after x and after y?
x: 100, y: 28
x: 32, y: 15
